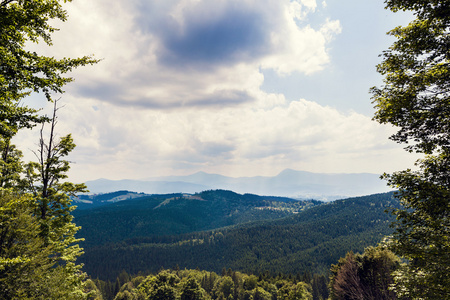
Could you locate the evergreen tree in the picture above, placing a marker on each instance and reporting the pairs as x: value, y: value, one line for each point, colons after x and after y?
x: 416, y: 98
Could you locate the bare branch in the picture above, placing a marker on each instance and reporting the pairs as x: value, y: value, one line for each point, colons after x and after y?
x: 6, y: 2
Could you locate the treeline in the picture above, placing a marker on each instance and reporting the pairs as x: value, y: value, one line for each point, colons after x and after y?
x: 369, y: 275
x: 311, y: 240
x: 199, y: 284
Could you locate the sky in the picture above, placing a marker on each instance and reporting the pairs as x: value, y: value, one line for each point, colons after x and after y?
x: 232, y: 87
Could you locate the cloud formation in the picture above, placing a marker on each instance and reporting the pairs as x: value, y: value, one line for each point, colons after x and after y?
x: 206, y: 33
x: 178, y: 90
x: 186, y: 53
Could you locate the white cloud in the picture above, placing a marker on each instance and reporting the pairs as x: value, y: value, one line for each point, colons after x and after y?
x: 168, y: 99
x: 300, y: 9
x: 261, y: 138
x: 183, y: 53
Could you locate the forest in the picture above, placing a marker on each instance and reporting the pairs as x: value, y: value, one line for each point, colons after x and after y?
x: 164, y: 215
x: 220, y: 244
x: 309, y: 240
x: 196, y: 284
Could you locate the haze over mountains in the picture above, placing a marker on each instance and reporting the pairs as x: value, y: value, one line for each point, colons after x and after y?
x: 289, y: 183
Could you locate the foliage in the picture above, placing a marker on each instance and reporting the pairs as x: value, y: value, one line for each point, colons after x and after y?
x: 23, y: 255
x: 416, y: 98
x: 224, y: 288
x: 364, y: 276
x: 92, y: 291
x: 199, y: 284
x: 39, y: 249
x: 191, y: 290
x: 422, y: 228
x: 23, y: 71
x: 28, y: 267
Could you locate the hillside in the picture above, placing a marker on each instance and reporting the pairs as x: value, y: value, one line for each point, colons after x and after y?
x: 160, y: 215
x: 88, y: 201
x: 310, y: 240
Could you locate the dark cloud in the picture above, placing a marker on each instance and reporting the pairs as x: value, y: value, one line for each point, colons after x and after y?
x: 114, y: 94
x: 216, y: 149
x: 209, y: 35
x: 222, y: 98
x: 236, y: 36
x: 101, y: 91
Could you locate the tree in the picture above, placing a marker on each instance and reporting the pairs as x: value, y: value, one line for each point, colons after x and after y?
x: 191, y: 290
x: 161, y: 286
x: 260, y: 294
x: 23, y: 71
x: 422, y: 233
x: 319, y: 287
x: 40, y: 247
x: 23, y: 256
x: 415, y: 98
x: 52, y: 203
x: 28, y: 268
x: 345, y: 282
x: 300, y: 291
x: 364, y: 276
x: 37, y: 236
x: 224, y: 288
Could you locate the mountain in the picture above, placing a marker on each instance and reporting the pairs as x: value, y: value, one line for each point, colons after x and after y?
x: 170, y: 214
x: 289, y: 183
x: 308, y: 240
x: 144, y: 186
x: 88, y: 201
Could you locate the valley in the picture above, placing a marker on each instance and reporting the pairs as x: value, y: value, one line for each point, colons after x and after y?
x: 220, y: 229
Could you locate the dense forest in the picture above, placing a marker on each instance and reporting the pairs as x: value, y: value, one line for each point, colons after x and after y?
x: 372, y: 268
x: 161, y: 215
x: 308, y: 240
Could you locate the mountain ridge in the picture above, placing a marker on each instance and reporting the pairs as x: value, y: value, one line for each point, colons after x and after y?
x: 169, y: 214
x: 287, y: 183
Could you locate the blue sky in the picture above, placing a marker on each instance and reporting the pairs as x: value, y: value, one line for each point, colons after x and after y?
x: 239, y: 88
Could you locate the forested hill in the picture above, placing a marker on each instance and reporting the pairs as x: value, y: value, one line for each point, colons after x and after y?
x: 161, y: 215
x: 88, y: 201
x: 310, y: 240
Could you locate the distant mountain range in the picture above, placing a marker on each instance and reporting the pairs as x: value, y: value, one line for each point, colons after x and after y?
x: 289, y: 183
